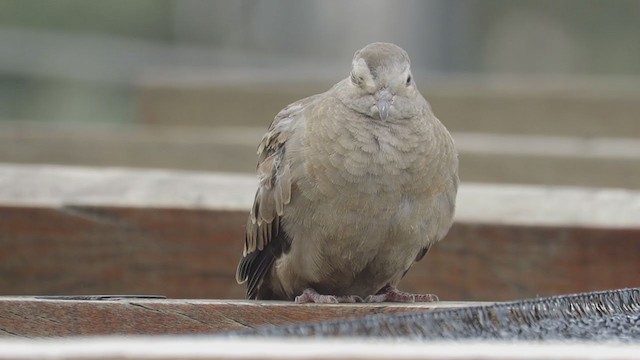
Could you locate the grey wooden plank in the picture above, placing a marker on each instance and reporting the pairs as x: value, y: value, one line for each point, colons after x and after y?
x: 56, y: 186
x: 506, y: 158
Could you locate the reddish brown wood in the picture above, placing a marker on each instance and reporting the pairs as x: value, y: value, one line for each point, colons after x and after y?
x: 28, y: 317
x: 83, y: 250
x: 506, y: 262
x: 184, y: 253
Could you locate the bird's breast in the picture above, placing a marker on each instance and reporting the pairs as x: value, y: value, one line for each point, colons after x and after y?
x: 365, y: 196
x: 367, y: 156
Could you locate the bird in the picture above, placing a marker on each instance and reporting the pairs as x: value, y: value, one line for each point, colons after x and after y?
x: 354, y: 186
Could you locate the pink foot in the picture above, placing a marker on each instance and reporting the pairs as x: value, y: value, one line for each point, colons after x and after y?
x: 392, y: 294
x: 312, y: 296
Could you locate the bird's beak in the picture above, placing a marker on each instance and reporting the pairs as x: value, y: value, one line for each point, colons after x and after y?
x: 383, y: 103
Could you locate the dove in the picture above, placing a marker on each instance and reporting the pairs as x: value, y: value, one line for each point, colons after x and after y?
x: 355, y: 185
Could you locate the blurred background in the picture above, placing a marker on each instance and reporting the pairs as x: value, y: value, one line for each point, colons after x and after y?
x: 535, y: 92
x: 192, y: 84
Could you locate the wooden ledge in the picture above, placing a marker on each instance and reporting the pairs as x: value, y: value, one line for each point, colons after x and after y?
x: 36, y: 317
x: 66, y: 230
x: 68, y: 187
x: 490, y: 158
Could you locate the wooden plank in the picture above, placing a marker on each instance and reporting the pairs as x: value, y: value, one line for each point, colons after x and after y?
x: 525, y: 159
x: 570, y: 106
x: 95, y: 250
x: 50, y: 186
x: 118, y: 231
x: 193, y: 253
x: 32, y: 317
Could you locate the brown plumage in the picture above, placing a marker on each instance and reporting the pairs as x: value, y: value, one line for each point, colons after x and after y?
x: 355, y: 185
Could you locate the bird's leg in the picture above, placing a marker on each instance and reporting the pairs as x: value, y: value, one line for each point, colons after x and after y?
x: 311, y: 296
x: 390, y: 293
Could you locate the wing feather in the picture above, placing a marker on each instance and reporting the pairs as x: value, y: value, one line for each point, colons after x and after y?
x: 264, y: 239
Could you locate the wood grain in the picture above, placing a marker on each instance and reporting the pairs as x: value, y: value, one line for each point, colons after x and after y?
x: 92, y: 250
x: 491, y: 158
x: 31, y: 317
x: 191, y: 253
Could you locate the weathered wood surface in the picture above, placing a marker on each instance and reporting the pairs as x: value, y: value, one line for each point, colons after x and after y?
x: 180, y: 235
x: 573, y: 106
x: 31, y: 317
x: 492, y: 158
x: 193, y: 253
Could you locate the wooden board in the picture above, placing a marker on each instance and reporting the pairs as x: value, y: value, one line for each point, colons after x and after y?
x: 493, y: 104
x: 31, y: 317
x: 484, y: 157
x: 118, y: 231
x: 184, y: 253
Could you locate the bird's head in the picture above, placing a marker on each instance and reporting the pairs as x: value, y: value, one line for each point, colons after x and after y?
x: 381, y: 85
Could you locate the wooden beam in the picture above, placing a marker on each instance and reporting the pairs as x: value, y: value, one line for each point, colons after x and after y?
x: 492, y: 158
x: 33, y: 317
x: 65, y: 187
x: 568, y: 106
x: 179, y: 234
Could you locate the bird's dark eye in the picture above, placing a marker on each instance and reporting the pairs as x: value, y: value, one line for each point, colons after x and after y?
x: 408, y: 80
